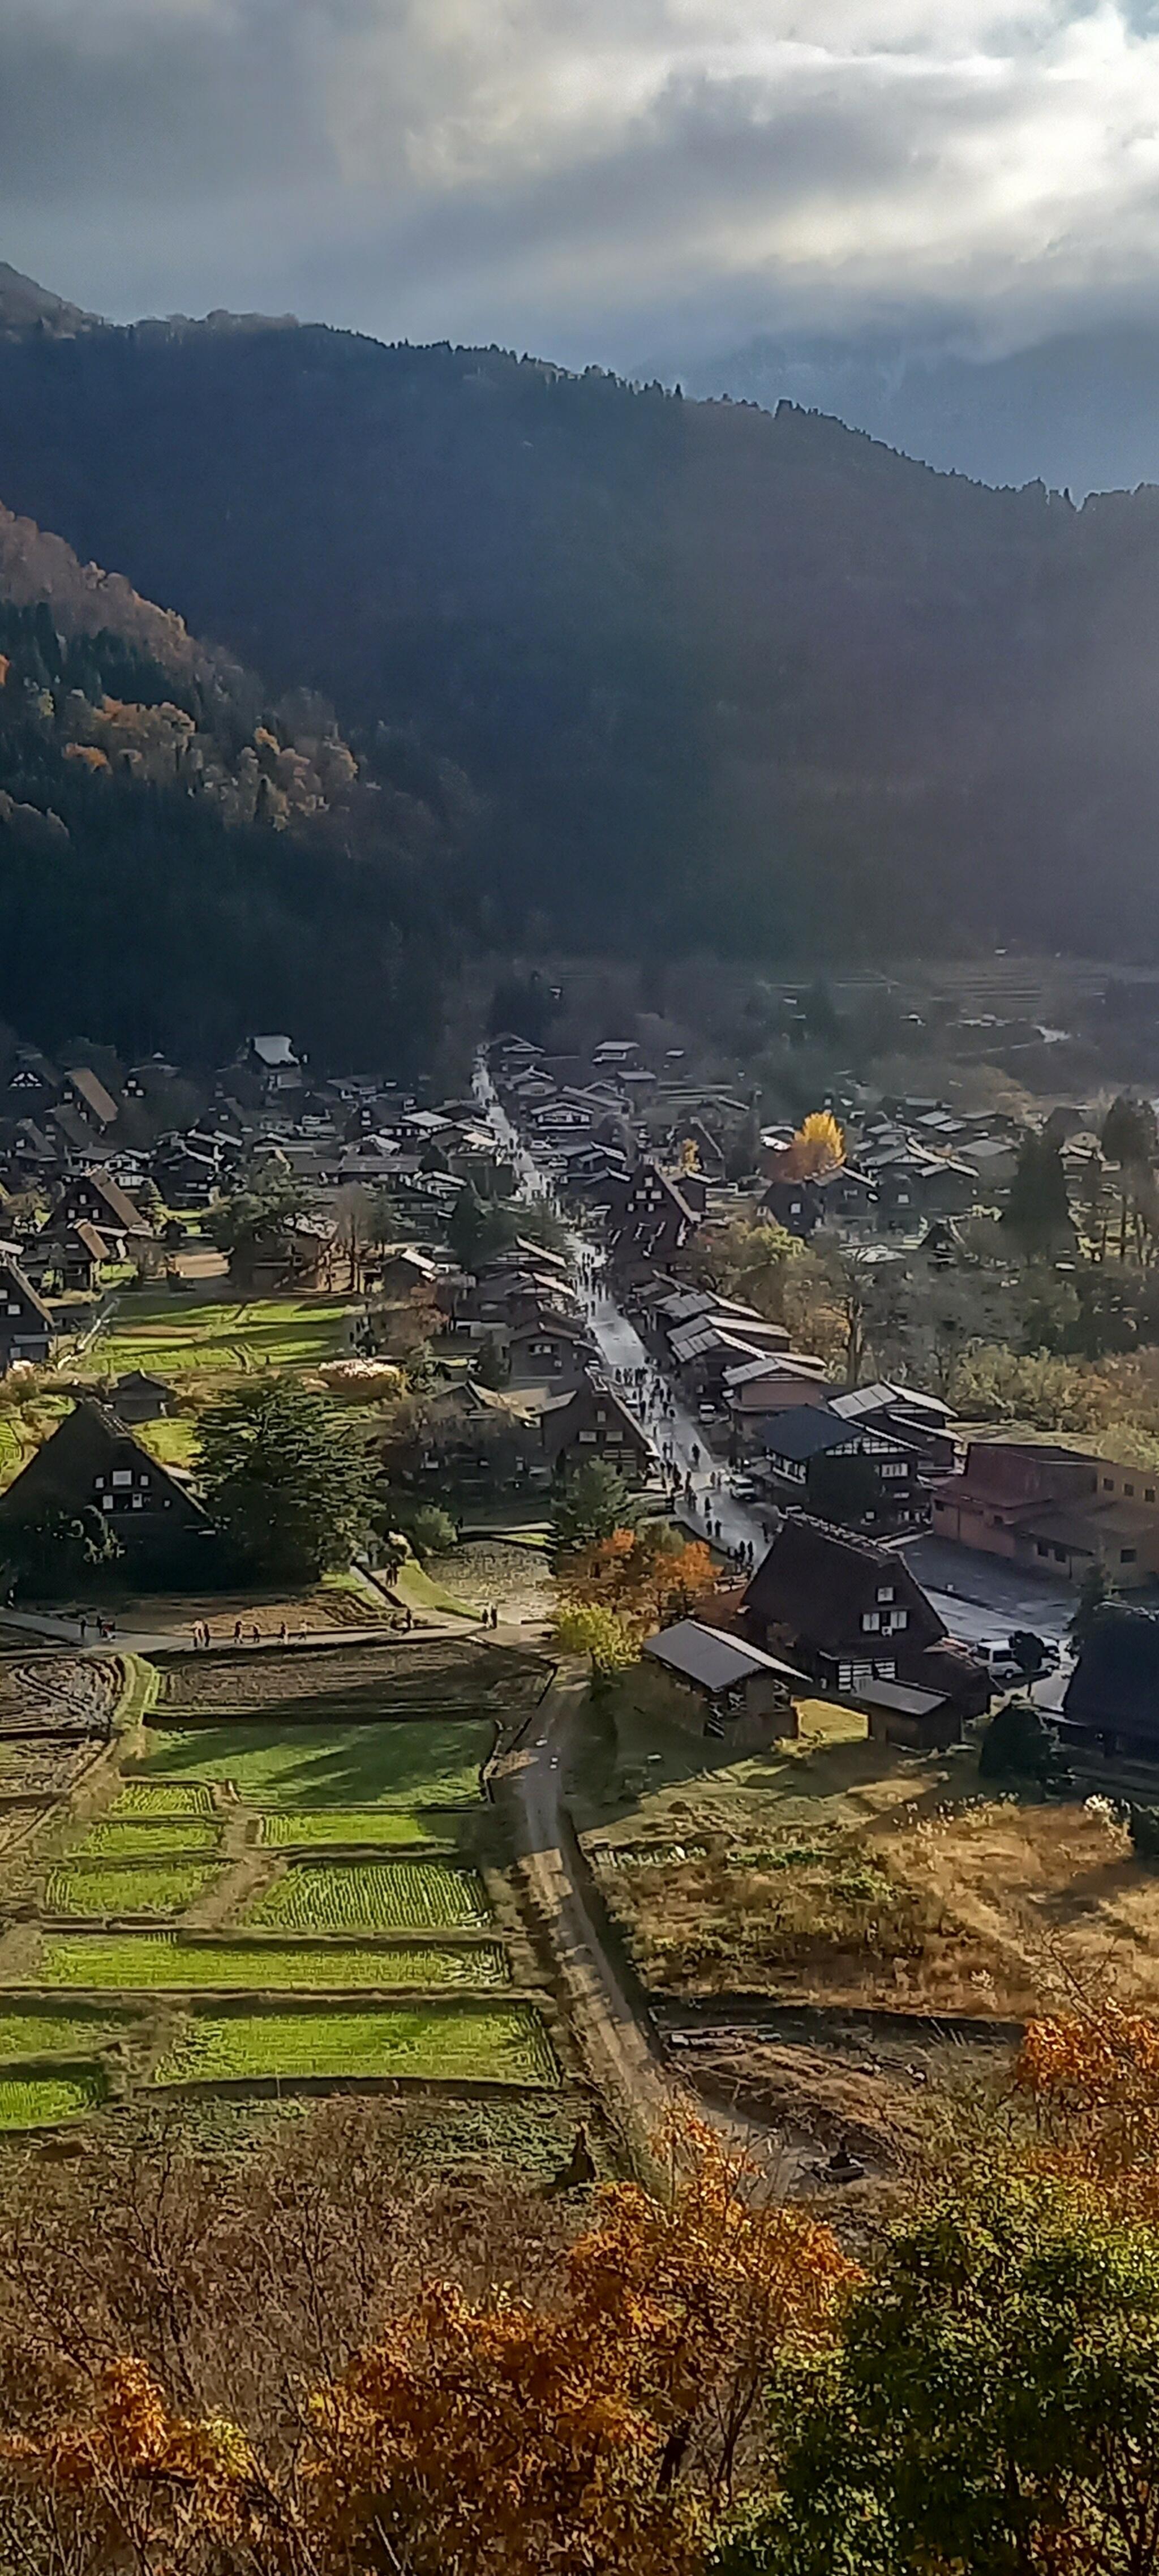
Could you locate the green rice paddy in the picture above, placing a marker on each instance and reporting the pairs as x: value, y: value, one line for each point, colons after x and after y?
x: 136, y: 1962
x: 501, y: 2044
x: 403, y: 1762
x: 122, y: 1838
x: 94, y: 1888
x: 350, y: 1825
x: 40, y: 2101
x: 372, y: 1896
x: 179, y: 1339
x: 148, y: 1798
x: 47, y: 2034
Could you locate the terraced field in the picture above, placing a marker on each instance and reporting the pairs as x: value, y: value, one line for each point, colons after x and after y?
x: 149, y: 1798
x: 366, y: 1948
x: 129, y: 1838
x: 500, y: 2044
x: 222, y: 1339
x: 406, y: 1762
x: 373, y: 1896
x: 137, y: 1962
x: 333, y: 1825
x: 44, y: 2101
x: 117, y: 1888
x: 26, y: 2035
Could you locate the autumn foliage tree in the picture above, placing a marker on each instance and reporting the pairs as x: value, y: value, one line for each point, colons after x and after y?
x: 818, y: 1146
x: 594, y: 2418
x: 644, y: 1576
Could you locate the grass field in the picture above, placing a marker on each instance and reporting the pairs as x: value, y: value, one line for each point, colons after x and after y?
x: 136, y: 1962
x: 41, y: 2101
x: 373, y: 1896
x: 127, y: 1887
x: 321, y: 1825
x: 842, y: 1872
x: 406, y: 1762
x: 506, y: 2045
x: 147, y: 1798
x: 145, y: 1837
x: 172, y: 1439
x: 180, y: 1337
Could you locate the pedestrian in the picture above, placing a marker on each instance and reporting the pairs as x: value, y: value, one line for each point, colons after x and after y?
x: 256, y: 1634
x: 237, y: 1632
x: 283, y: 1633
x: 83, y: 1626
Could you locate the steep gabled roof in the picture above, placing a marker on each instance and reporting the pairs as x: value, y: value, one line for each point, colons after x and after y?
x: 86, y: 1444
x: 815, y: 1581
x: 118, y: 1210
x: 1116, y: 1679
x: 10, y: 1268
x: 93, y: 1093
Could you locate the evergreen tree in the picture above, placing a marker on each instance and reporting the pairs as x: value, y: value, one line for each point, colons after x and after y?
x: 1037, y: 1212
x: 286, y: 1482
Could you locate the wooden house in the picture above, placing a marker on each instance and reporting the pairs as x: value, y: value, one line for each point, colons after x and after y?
x: 851, y: 1614
x: 141, y: 1397
x: 719, y: 1686
x: 93, y: 1463
x: 594, y: 1423
x: 1111, y: 1704
x: 26, y: 1324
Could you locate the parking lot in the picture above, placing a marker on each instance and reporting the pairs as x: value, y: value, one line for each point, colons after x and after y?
x: 982, y: 1599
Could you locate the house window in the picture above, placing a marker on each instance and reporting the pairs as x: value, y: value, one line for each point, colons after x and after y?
x: 1129, y: 1491
x: 138, y: 1502
x: 885, y: 1591
x: 1108, y: 1484
x: 897, y: 1620
x: 885, y: 1670
x: 588, y: 1436
x: 1149, y: 1493
x: 1127, y: 1555
x: 1041, y: 1547
x: 122, y: 1475
x: 870, y: 1621
x: 106, y: 1502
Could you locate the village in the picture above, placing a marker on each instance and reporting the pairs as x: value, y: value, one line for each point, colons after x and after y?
x: 670, y: 1581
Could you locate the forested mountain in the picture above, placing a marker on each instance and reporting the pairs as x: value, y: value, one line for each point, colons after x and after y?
x: 182, y: 860
x: 712, y: 676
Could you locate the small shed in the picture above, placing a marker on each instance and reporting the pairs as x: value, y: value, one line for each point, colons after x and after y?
x: 923, y: 1721
x: 718, y: 1685
x: 139, y: 1397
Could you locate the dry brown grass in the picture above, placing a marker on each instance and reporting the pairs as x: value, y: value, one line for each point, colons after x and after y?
x: 991, y: 1910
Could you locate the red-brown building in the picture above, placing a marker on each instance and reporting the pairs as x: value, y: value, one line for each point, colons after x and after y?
x: 1053, y: 1511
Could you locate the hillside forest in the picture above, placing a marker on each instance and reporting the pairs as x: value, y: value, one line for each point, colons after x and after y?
x: 652, y: 671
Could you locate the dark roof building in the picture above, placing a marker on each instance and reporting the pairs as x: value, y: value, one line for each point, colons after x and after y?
x: 1112, y: 1697
x: 725, y: 1687
x: 594, y: 1423
x: 802, y: 1445
x: 92, y: 1463
x: 851, y: 1613
x: 95, y: 1197
x: 26, y: 1324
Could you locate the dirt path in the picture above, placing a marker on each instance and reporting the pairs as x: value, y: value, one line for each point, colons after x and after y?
x: 623, y: 2058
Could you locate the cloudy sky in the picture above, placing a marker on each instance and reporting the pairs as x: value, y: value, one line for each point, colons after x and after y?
x: 609, y: 179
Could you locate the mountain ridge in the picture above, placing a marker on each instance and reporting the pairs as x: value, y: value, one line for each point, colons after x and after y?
x: 669, y: 673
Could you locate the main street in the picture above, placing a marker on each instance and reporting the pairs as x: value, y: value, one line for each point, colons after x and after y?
x: 623, y: 1351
